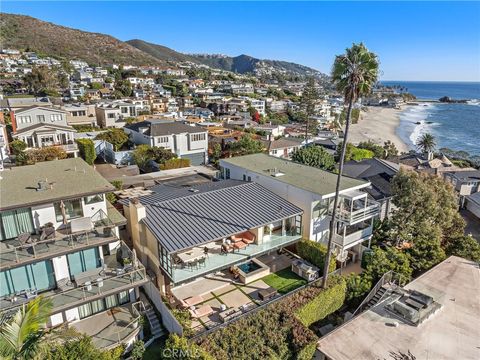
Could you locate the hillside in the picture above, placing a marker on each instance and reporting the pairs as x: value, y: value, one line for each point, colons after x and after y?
x: 159, y: 52
x: 24, y: 32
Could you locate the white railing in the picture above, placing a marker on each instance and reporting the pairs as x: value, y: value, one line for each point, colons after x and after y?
x: 353, y: 237
x: 345, y: 215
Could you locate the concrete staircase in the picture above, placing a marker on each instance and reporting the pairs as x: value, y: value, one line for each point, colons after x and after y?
x: 156, y: 326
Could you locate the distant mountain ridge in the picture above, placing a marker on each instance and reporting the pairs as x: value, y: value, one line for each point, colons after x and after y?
x: 28, y: 33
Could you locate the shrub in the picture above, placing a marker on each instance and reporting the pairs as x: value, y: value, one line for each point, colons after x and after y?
x: 17, y: 146
x: 86, y: 148
x: 138, y: 348
x: 116, y: 137
x: 314, y: 253
x: 184, y: 319
x: 33, y: 156
x: 326, y: 302
x: 175, y: 164
x: 357, y: 287
x: 315, y: 156
x: 118, y: 184
x: 177, y: 347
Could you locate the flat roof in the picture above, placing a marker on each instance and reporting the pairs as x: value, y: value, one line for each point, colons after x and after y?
x: 211, y: 212
x: 453, y: 332
x: 302, y: 176
x: 67, y: 179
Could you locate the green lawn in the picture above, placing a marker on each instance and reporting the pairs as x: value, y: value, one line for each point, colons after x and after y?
x: 284, y: 281
x: 154, y: 351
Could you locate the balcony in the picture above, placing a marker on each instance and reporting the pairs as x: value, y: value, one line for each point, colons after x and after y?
x: 351, y: 235
x: 216, y: 261
x: 110, y: 279
x: 112, y: 327
x: 13, y: 254
x: 355, y: 207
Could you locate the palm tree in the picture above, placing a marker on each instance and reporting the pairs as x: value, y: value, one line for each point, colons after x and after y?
x: 426, y: 143
x: 354, y: 75
x: 24, y: 337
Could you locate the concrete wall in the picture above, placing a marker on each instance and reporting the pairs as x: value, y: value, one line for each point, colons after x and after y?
x: 168, y: 320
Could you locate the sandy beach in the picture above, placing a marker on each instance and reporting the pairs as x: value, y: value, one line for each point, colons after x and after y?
x: 378, y: 124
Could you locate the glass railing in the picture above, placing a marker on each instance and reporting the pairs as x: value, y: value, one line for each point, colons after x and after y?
x: 347, y: 215
x: 36, y: 249
x: 353, y: 237
x: 109, y: 281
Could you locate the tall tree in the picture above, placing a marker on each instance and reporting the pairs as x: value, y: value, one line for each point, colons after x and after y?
x: 24, y: 336
x: 307, y: 102
x: 315, y: 156
x: 426, y: 143
x: 354, y: 75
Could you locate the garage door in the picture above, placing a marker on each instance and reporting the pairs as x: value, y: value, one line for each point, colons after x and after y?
x: 195, y: 159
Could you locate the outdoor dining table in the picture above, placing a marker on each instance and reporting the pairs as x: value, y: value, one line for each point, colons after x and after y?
x: 191, y: 255
x: 89, y: 275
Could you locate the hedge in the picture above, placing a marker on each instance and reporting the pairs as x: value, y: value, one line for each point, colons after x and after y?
x: 326, y: 302
x: 87, y: 150
x: 175, y: 164
x: 314, y: 253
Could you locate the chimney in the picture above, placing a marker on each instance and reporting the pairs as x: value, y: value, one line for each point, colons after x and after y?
x: 430, y: 155
x: 43, y: 185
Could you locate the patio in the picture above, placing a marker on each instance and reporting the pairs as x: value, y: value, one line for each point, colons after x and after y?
x: 215, y: 260
x: 110, y: 327
x: 221, y: 291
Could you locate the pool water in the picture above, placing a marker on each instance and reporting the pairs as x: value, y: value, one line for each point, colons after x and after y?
x: 249, y: 267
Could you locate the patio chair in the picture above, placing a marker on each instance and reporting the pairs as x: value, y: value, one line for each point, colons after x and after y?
x: 201, y: 261
x: 239, y: 245
x: 24, y: 240
x: 64, y: 284
x: 193, y: 264
x: 205, y: 251
x: 47, y: 233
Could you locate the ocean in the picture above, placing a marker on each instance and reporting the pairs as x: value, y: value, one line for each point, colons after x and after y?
x: 455, y: 126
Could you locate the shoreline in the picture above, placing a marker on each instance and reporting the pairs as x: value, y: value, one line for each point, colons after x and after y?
x: 378, y: 124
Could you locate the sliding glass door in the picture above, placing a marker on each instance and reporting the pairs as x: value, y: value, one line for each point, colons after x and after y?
x: 39, y: 276
x: 83, y: 260
x: 15, y: 222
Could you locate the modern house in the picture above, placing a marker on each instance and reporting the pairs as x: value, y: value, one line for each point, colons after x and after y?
x: 80, y: 114
x: 465, y: 183
x: 313, y: 190
x: 380, y: 174
x: 435, y: 316
x: 59, y: 238
x: 42, y: 126
x: 114, y: 113
x: 189, y: 142
x: 185, y: 233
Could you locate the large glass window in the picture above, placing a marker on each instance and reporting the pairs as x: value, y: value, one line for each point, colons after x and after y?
x: 93, y: 199
x: 39, y: 276
x: 83, y: 260
x: 15, y: 222
x: 73, y: 209
x: 97, y: 306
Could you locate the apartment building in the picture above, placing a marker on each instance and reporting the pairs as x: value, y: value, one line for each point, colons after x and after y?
x: 313, y: 190
x: 80, y: 114
x: 59, y: 238
x: 466, y: 182
x: 186, y: 141
x: 39, y: 126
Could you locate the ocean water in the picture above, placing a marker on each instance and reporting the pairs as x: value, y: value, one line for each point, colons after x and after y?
x: 455, y: 126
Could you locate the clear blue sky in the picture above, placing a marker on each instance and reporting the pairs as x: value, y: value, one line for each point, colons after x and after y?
x: 415, y: 40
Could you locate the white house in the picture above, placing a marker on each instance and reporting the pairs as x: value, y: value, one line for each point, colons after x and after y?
x: 186, y: 141
x: 313, y: 190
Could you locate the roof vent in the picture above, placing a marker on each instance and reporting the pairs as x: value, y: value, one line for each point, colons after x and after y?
x: 275, y: 172
x: 193, y: 190
x: 43, y: 185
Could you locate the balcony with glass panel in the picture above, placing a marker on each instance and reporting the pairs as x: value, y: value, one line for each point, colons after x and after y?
x: 216, y: 255
x: 354, y: 207
x: 79, y: 234
x: 119, y: 271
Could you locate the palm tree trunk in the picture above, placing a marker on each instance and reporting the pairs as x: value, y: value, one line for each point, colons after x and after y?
x: 337, y: 191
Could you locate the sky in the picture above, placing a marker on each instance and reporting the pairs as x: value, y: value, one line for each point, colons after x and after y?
x: 430, y: 41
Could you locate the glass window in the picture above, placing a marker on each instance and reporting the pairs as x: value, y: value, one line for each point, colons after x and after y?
x: 83, y: 260
x: 111, y: 301
x: 41, y: 118
x: 73, y: 209
x: 93, y: 199
x: 39, y: 276
x: 123, y: 297
x: 15, y: 222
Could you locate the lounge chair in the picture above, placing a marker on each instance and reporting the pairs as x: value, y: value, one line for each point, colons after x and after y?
x: 239, y: 245
x: 247, y: 237
x: 202, y: 311
x: 24, y: 240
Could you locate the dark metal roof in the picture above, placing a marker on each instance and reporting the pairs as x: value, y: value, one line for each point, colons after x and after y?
x: 198, y: 218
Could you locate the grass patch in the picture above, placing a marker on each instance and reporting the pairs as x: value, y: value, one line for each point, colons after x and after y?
x: 154, y: 351
x: 284, y: 281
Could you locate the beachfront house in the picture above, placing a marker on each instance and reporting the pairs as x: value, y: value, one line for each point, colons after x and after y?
x: 59, y: 238
x: 313, y: 190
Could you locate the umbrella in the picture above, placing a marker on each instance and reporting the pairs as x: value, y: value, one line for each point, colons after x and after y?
x: 64, y: 214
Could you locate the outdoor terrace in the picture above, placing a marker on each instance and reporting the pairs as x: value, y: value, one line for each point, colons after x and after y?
x: 215, y: 260
x: 112, y: 327
x: 110, y: 279
x: 98, y: 231
x: 355, y: 207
